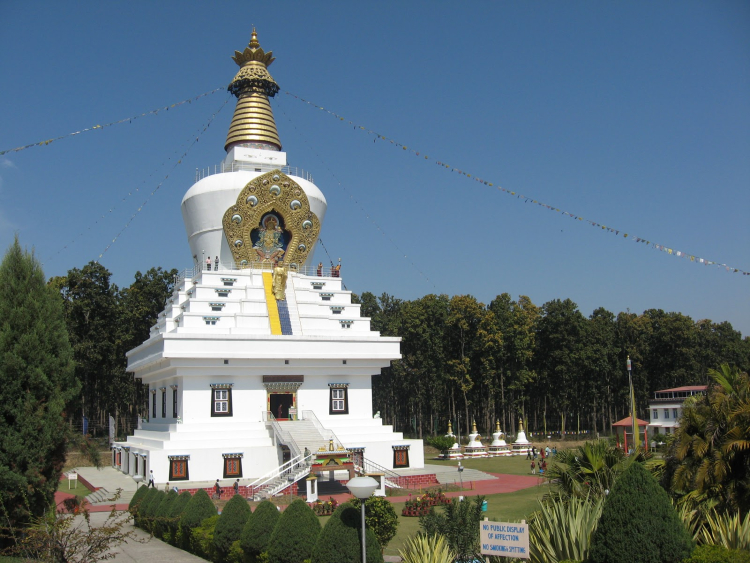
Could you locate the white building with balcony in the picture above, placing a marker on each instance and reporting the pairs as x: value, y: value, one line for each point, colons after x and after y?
x: 254, y: 364
x: 666, y: 407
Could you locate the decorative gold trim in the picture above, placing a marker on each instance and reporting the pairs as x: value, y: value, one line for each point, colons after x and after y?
x: 272, y: 192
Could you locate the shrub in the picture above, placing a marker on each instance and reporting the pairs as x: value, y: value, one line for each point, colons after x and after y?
x: 718, y: 554
x: 197, y: 510
x: 149, y: 512
x: 563, y: 529
x: 427, y: 549
x: 258, y: 529
x: 380, y: 517
x: 137, y: 499
x: 340, y: 539
x: 161, y: 516
x: 295, y: 534
x: 727, y: 530
x: 143, y: 505
x: 639, y: 524
x: 230, y: 525
x: 175, y: 513
x: 459, y: 524
x: 202, y: 539
x: 441, y: 443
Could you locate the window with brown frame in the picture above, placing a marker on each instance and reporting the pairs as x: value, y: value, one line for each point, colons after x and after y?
x: 178, y: 470
x: 232, y: 467
x: 339, y: 400
x: 401, y: 457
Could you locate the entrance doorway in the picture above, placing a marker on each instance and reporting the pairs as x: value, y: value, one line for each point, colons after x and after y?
x: 279, y: 404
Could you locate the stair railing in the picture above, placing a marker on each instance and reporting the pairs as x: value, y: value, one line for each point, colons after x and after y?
x: 327, y: 434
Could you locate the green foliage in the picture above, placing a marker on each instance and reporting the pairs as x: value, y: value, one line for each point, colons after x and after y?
x: 295, y: 534
x: 36, y: 384
x: 588, y: 471
x: 175, y: 514
x: 230, y: 524
x: 708, y: 461
x: 135, y: 502
x: 196, y: 511
x: 426, y: 549
x: 638, y: 523
x: 441, y: 443
x: 162, y: 514
x: 340, y: 539
x: 258, y: 529
x: 459, y: 524
x: 380, y: 517
x: 562, y: 529
x: 717, y: 554
x: 148, y: 514
x: 146, y: 499
x: 202, y: 539
x: 728, y: 530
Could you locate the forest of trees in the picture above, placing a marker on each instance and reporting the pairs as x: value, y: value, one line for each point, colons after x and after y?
x: 104, y: 322
x: 548, y: 364
x: 462, y: 359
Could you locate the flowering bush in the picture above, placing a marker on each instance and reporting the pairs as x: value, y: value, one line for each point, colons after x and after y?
x: 324, y: 508
x: 420, y: 505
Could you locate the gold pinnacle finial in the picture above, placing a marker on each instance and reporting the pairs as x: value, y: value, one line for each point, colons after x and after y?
x: 253, y: 124
x: 473, y: 426
x: 497, y: 425
x: 450, y: 427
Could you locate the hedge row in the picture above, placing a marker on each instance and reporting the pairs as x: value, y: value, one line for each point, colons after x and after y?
x: 241, y: 536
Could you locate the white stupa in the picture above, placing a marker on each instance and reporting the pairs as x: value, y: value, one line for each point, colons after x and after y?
x: 454, y: 452
x: 263, y: 358
x: 475, y: 448
x: 498, y: 447
x: 521, y: 446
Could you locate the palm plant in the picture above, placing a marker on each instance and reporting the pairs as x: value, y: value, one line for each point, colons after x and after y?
x: 590, y: 470
x: 562, y: 528
x: 709, y: 459
x: 427, y: 549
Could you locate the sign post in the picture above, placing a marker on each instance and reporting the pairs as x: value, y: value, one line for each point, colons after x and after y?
x: 504, y: 539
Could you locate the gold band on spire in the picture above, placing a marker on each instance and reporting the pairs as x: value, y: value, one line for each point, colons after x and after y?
x: 253, y: 123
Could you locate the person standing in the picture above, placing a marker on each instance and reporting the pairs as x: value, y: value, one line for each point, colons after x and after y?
x: 216, y: 264
x: 217, y: 490
x: 208, y: 264
x: 237, y: 487
x: 533, y: 467
x: 151, y: 478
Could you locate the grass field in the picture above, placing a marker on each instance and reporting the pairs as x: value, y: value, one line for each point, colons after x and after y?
x: 76, y: 488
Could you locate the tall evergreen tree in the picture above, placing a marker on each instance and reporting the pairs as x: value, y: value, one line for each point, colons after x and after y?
x: 36, y: 383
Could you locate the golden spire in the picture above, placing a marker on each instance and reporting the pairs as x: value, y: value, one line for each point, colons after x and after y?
x: 253, y: 123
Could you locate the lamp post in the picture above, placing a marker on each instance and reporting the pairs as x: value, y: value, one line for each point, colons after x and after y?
x: 461, y: 475
x: 632, y: 406
x: 362, y: 488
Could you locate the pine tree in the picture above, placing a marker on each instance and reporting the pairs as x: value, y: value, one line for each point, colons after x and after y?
x: 639, y: 524
x: 36, y: 383
x: 196, y: 511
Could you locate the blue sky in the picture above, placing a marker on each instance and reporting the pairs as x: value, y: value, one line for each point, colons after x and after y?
x: 634, y: 115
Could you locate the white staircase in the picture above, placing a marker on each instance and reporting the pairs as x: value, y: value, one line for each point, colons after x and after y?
x: 305, y: 434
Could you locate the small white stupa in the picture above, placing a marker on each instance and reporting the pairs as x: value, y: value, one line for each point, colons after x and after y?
x: 455, y: 450
x: 498, y: 447
x: 475, y: 448
x: 521, y: 446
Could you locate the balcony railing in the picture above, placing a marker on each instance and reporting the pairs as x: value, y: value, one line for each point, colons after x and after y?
x: 251, y: 167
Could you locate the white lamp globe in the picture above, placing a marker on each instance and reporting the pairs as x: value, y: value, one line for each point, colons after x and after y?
x: 362, y: 487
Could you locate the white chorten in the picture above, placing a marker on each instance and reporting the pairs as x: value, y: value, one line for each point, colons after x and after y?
x: 264, y: 358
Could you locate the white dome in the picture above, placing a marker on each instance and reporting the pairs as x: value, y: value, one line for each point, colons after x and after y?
x: 206, y: 201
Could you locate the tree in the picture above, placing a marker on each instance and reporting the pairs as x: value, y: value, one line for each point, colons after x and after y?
x: 709, y: 458
x: 258, y: 529
x: 295, y: 534
x: 175, y: 513
x: 196, y: 511
x: 230, y: 525
x: 589, y: 471
x: 638, y: 523
x: 380, y: 517
x: 37, y: 382
x: 340, y: 539
x: 161, y: 515
x: 459, y: 523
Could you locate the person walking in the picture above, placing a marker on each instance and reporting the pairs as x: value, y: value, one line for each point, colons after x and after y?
x: 237, y: 487
x: 217, y: 490
x: 533, y: 467
x: 151, y: 478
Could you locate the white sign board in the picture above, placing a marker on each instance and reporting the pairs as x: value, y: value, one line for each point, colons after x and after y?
x: 504, y: 539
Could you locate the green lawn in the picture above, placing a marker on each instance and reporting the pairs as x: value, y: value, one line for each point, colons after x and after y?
x: 76, y: 489
x: 511, y: 465
x: 505, y: 507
